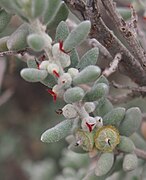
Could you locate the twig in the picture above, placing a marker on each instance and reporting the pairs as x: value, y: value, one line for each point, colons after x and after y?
x: 6, y: 96
x: 12, y: 53
x: 125, y: 31
x: 140, y: 153
x: 101, y: 32
x: 94, y: 43
x: 141, y: 36
x: 113, y: 66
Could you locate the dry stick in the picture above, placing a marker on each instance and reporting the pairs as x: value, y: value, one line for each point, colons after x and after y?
x: 101, y: 32
x: 113, y: 66
x: 94, y: 43
x: 142, y: 36
x: 125, y: 30
x: 12, y: 53
x: 140, y: 153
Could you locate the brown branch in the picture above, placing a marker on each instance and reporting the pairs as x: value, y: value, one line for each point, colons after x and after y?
x: 12, y: 53
x: 140, y: 153
x: 94, y: 43
x: 125, y: 30
x: 101, y: 32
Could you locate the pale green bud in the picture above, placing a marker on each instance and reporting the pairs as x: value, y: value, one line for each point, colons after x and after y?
x: 73, y: 72
x: 69, y: 111
x: 65, y: 80
x: 89, y: 107
x: 44, y: 65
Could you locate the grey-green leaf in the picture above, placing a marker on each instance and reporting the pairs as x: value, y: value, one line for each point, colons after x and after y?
x: 61, y: 15
x: 57, y: 132
x: 38, y: 7
x: 77, y: 35
x: 126, y: 144
x: 74, y: 57
x: 104, y: 164
x: 131, y: 122
x: 74, y: 94
x: 102, y: 79
x: 130, y: 162
x: 104, y: 106
x: 89, y: 58
x: 87, y: 75
x: 138, y: 141
x: 4, y: 19
x: 33, y: 75
x: 114, y: 117
x: 18, y: 39
x: 62, y: 32
x: 51, y: 10
x: 49, y: 81
x: 96, y: 92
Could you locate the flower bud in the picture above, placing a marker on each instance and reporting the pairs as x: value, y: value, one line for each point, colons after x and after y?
x: 99, y: 121
x: 44, y: 65
x: 74, y: 94
x: 73, y: 72
x: 61, y: 56
x: 89, y: 107
x: 65, y: 80
x: 58, y: 91
x: 88, y: 123
x: 52, y: 67
x: 69, y: 111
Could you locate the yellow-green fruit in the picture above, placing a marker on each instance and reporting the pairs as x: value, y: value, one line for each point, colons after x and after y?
x: 106, y: 138
x: 84, y: 139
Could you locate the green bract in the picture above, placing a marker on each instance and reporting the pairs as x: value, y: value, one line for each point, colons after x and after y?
x: 58, y: 132
x: 96, y: 92
x: 89, y: 58
x: 73, y: 95
x: 88, y: 74
x: 114, y: 117
x: 77, y: 35
x: 36, y: 42
x: 33, y: 75
x: 126, y: 144
x: 131, y: 121
x: 130, y: 162
x: 103, y: 107
x: 104, y: 164
x: 62, y: 32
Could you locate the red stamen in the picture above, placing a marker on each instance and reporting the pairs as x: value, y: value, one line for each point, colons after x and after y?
x: 42, y: 58
x: 56, y: 73
x: 61, y: 47
x: 53, y: 94
x: 37, y: 63
x: 129, y: 6
x: 89, y: 126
